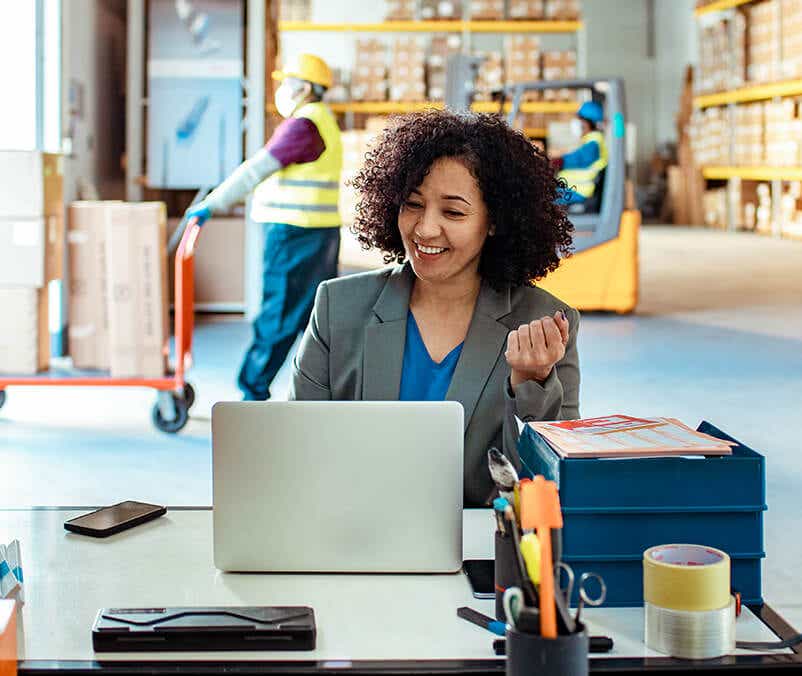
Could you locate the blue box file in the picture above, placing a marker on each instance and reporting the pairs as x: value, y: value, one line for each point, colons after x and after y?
x: 588, y: 533
x: 614, y: 509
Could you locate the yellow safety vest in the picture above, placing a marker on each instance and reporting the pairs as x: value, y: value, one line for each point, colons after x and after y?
x: 306, y: 194
x: 582, y: 180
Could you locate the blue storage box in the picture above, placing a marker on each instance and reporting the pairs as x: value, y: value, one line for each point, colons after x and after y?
x: 615, y: 509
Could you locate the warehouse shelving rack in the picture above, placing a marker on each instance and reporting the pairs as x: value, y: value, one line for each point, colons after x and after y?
x: 721, y: 5
x: 771, y: 91
x: 466, y: 27
x: 456, y: 26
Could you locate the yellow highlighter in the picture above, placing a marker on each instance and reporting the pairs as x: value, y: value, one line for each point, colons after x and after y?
x: 530, y: 550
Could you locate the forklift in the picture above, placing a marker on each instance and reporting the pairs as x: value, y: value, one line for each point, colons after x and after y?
x: 602, y: 272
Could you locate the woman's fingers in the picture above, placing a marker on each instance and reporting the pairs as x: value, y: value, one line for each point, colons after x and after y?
x: 526, y: 337
x: 552, y: 333
x: 513, y: 343
x: 561, y: 320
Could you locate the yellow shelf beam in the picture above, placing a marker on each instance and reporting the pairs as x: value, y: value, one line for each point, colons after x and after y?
x: 436, y: 27
x: 753, y: 173
x: 719, y: 6
x: 746, y: 94
x: 535, y: 132
x: 395, y: 107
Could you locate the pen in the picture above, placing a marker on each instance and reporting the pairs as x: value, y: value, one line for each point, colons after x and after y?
x: 480, y: 620
x: 530, y: 593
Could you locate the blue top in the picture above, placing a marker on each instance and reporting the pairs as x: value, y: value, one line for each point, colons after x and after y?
x: 582, y: 157
x: 423, y: 379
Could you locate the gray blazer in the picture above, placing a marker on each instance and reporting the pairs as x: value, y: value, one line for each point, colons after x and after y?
x: 353, y: 349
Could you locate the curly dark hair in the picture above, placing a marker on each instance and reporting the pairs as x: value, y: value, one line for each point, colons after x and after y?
x: 517, y: 183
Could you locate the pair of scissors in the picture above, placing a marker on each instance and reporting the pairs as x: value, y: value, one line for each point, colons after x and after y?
x: 585, y: 598
x: 519, y: 616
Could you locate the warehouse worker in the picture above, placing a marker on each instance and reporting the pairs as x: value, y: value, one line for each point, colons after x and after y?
x: 581, y: 167
x: 295, y: 179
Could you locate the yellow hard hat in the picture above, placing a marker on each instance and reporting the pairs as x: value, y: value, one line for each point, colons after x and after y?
x: 306, y: 67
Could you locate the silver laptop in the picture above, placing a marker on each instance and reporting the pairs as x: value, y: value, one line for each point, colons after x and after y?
x: 309, y: 486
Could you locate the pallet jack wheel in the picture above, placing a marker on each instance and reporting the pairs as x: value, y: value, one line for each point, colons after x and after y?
x: 181, y: 416
x: 2, y: 398
x: 189, y: 395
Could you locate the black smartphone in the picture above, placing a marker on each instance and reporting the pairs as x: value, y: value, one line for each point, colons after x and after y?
x: 109, y: 520
x: 482, y: 576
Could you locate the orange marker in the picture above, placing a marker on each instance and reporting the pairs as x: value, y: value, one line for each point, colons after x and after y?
x: 540, y: 509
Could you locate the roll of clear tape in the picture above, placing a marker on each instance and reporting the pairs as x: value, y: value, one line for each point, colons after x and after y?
x: 691, y: 634
x: 686, y: 577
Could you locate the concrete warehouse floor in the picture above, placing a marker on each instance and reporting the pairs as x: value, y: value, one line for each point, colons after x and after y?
x: 718, y: 335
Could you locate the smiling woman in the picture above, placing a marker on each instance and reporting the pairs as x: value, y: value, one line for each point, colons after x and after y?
x: 465, y: 207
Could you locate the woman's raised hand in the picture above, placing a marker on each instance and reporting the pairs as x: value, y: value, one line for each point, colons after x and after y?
x: 533, y: 349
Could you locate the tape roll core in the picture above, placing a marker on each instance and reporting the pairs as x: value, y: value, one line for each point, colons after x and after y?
x: 686, y: 577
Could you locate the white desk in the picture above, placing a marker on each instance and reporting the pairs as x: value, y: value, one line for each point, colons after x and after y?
x: 168, y: 562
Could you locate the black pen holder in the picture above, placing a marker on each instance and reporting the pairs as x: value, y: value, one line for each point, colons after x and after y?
x: 506, y: 571
x: 533, y: 655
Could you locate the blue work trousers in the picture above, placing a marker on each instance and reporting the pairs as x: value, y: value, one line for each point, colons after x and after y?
x: 296, y: 261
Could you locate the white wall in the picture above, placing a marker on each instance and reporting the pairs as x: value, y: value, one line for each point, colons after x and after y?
x: 675, y: 39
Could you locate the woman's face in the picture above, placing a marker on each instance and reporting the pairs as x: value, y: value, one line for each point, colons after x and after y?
x: 444, y: 223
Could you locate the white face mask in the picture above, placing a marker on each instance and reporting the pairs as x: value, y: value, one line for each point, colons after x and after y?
x: 285, y: 101
x: 576, y: 127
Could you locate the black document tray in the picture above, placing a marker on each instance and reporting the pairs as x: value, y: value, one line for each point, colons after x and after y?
x: 204, y: 629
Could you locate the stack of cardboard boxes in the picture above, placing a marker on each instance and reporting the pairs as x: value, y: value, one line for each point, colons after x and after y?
x: 563, y: 10
x: 31, y: 255
x: 722, y: 63
x: 783, y: 134
x: 487, y: 10
x: 523, y: 56
x: 118, y: 288
x: 400, y: 10
x: 527, y: 10
x: 490, y: 77
x: 764, y: 41
x: 441, y: 10
x: 709, y: 137
x: 408, y: 71
x: 559, y: 65
x: 295, y: 10
x: 369, y: 78
x: 749, y: 138
x: 792, y: 39
x: 440, y: 49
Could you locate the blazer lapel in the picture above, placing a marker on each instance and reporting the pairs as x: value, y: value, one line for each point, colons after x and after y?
x: 485, y: 341
x: 385, y: 337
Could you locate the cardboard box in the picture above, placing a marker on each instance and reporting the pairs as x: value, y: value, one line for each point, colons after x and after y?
x: 88, y: 297
x: 24, y: 336
x: 31, y: 218
x: 487, y: 10
x: 22, y: 252
x: 136, y: 240
x: 563, y: 10
x: 527, y: 10
x: 408, y: 70
x: 8, y: 638
x: 400, y: 10
x: 218, y: 258
x: 445, y: 10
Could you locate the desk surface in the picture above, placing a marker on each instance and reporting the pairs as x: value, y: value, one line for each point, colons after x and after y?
x: 371, y: 618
